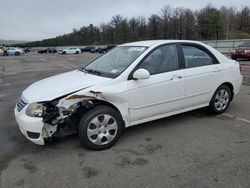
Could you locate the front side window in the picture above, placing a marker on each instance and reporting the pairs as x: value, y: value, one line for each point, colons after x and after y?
x: 114, y: 62
x: 163, y: 59
x: 195, y: 57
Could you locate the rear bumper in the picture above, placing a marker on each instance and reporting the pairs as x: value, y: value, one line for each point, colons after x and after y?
x: 237, y: 84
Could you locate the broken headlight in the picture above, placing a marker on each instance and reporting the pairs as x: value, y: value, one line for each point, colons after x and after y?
x: 35, y: 110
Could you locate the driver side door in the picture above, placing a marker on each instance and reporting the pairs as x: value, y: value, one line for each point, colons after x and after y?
x: 162, y: 92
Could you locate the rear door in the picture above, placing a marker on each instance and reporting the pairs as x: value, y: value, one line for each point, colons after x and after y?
x: 203, y: 74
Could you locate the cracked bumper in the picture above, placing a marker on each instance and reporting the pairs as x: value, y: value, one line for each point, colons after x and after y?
x: 29, y: 125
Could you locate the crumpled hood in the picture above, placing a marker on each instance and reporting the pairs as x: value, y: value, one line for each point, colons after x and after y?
x: 60, y: 85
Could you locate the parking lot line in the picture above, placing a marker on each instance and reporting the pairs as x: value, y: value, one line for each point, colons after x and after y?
x: 238, y: 118
x: 244, y: 120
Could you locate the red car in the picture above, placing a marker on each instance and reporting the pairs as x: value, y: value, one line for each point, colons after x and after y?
x: 243, y: 51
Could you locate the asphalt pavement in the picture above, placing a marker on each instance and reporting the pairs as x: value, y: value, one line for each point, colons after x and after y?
x: 192, y: 149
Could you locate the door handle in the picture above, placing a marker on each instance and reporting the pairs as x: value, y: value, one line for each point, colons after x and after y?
x: 175, y: 77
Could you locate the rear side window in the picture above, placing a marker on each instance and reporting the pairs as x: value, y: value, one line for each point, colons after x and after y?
x: 163, y: 59
x: 196, y: 57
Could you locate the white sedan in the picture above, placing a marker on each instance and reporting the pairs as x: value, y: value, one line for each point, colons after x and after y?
x: 70, y: 50
x: 132, y: 84
x: 13, y: 51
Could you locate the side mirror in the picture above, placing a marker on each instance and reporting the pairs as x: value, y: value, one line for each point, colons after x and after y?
x: 141, y: 74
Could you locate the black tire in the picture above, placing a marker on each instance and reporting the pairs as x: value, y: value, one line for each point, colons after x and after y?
x: 77, y: 52
x: 17, y: 53
x: 216, y: 105
x: 63, y: 53
x: 86, y: 123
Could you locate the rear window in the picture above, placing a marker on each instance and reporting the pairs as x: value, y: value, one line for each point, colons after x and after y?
x: 195, y: 57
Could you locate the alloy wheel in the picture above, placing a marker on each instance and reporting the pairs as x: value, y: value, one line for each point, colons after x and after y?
x: 221, y: 100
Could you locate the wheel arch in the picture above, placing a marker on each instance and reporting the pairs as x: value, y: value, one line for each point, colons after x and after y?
x: 230, y: 86
x: 98, y: 102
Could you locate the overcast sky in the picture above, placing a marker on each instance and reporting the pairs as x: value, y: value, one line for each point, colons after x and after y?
x: 39, y: 19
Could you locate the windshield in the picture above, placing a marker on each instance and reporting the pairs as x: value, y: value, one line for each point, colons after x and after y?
x: 245, y: 44
x: 113, y: 63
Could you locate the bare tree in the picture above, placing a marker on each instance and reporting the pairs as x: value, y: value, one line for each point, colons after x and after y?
x: 153, y: 26
x: 165, y: 17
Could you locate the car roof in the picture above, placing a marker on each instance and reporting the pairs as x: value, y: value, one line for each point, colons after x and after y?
x: 149, y: 43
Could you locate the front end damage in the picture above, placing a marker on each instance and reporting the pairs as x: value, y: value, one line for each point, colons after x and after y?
x: 56, y: 118
x: 61, y: 117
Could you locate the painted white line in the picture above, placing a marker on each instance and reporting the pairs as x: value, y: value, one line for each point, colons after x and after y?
x: 238, y: 118
x: 237, y: 125
x: 242, y: 119
x: 228, y: 115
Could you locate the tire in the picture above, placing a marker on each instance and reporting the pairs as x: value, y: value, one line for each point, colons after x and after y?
x: 17, y: 53
x: 63, y: 53
x: 98, y: 125
x: 77, y: 52
x: 220, y: 100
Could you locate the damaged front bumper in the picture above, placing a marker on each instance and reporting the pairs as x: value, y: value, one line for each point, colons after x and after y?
x: 33, y: 128
x: 58, y: 118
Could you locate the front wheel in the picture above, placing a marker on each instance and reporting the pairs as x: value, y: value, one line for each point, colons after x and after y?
x: 100, y: 128
x: 220, y: 100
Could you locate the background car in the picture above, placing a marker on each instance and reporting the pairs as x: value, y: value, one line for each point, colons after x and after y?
x: 13, y: 51
x: 27, y: 50
x: 243, y: 51
x: 101, y: 50
x: 47, y: 50
x: 110, y: 47
x: 87, y: 49
x: 105, y: 49
x: 93, y: 50
x: 70, y: 50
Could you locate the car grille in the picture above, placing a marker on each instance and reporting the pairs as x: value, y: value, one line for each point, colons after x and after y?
x: 20, y: 104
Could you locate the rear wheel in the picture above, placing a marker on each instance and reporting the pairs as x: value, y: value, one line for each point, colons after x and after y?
x: 63, y: 53
x: 100, y: 128
x: 17, y: 53
x: 77, y: 52
x: 220, y: 100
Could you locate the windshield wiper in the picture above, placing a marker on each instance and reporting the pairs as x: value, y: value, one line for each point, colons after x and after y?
x: 92, y: 71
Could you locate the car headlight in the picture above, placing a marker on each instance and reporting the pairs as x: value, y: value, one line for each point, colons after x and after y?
x: 35, y: 110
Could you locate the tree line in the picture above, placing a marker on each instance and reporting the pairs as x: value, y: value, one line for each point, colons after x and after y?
x: 208, y: 23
